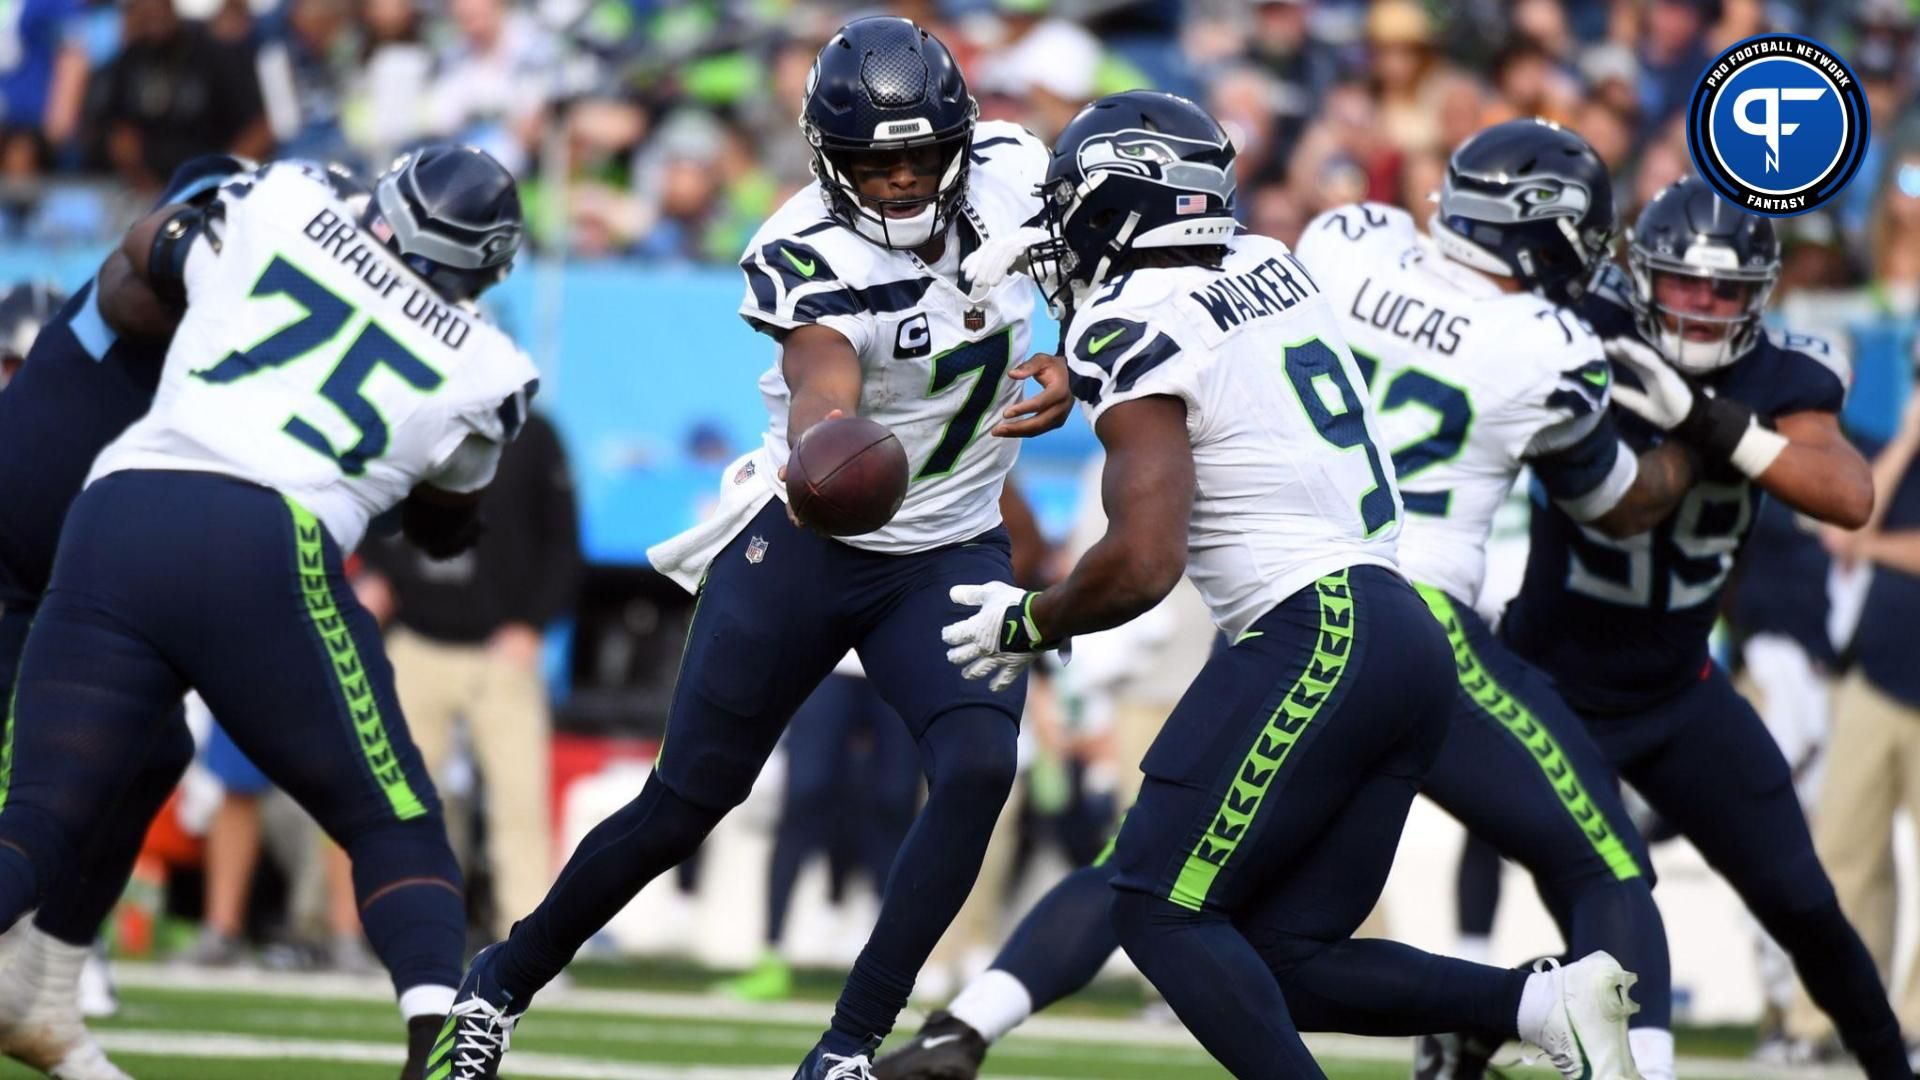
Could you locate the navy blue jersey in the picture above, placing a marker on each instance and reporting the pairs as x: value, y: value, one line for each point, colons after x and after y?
x: 1782, y: 584
x: 1622, y: 623
x: 79, y: 388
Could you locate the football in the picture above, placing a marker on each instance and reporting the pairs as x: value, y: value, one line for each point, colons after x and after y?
x: 847, y: 476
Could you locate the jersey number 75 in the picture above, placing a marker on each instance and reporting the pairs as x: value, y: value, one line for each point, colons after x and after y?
x: 372, y: 349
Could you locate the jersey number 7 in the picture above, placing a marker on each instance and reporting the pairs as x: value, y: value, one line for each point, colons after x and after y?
x: 326, y: 314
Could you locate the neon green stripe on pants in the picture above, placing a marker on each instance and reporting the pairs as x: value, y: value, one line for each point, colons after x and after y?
x: 1493, y: 699
x: 355, y: 688
x: 1277, y: 738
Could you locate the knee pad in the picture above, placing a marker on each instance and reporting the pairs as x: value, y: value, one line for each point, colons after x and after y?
x: 42, y: 839
x: 679, y: 823
x: 973, y: 754
x: 402, y: 855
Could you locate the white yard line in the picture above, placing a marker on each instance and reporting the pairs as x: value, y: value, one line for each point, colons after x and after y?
x: 629, y: 1003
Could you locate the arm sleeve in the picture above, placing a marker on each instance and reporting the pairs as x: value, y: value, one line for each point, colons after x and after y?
x: 1574, y: 448
x: 1584, y: 466
x: 790, y: 285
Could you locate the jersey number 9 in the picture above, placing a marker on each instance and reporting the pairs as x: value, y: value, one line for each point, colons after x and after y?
x: 1312, y: 364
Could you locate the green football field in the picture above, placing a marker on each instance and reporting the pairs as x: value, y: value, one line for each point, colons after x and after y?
x: 253, y: 1026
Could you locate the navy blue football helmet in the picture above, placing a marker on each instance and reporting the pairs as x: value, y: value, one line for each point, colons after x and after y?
x: 453, y: 215
x: 883, y: 86
x: 1530, y: 200
x: 1690, y: 231
x: 1132, y: 171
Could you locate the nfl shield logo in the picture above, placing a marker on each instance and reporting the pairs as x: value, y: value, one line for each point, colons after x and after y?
x: 974, y: 318
x: 743, y: 474
x: 1189, y: 204
x: 756, y: 549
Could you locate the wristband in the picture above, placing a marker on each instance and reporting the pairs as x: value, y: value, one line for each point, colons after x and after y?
x: 1019, y: 633
x: 1725, y: 430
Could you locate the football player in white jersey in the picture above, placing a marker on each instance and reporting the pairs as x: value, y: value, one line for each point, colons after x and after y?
x: 857, y: 280
x: 325, y: 367
x: 1242, y: 446
x: 1476, y: 372
x: 1481, y: 368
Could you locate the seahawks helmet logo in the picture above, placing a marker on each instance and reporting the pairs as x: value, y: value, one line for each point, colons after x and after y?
x: 1535, y: 200
x: 1155, y: 156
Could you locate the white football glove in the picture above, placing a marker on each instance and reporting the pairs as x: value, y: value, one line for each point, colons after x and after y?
x: 1721, y: 429
x: 1666, y: 398
x: 998, y: 640
x: 999, y: 258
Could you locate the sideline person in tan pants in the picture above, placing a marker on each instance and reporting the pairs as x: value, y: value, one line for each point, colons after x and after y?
x: 1873, y: 766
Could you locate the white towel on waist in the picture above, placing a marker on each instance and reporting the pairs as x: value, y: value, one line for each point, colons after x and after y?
x: 745, y: 487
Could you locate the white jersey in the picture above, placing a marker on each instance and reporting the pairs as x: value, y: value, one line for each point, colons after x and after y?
x: 1290, y: 479
x: 312, y: 361
x: 1473, y: 383
x: 933, y: 361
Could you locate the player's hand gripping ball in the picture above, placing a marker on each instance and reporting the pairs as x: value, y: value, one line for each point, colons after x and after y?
x: 846, y: 476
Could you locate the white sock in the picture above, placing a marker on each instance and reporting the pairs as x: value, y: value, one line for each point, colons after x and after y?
x: 59, y: 962
x: 1652, y: 1052
x: 1474, y: 947
x: 993, y: 1004
x: 426, y: 1001
x: 1537, y: 1002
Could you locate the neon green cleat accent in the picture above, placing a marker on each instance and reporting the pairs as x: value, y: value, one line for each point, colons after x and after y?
x: 769, y: 980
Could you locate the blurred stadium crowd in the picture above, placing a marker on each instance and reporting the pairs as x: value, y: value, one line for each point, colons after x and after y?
x: 663, y: 132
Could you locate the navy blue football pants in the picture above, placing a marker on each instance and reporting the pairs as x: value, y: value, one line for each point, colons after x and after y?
x: 1517, y: 768
x: 1703, y: 759
x: 167, y: 581
x: 78, y: 904
x: 779, y: 607
x: 1272, y: 806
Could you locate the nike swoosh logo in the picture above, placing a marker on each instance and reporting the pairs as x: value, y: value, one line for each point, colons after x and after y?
x: 1099, y: 343
x: 941, y: 1040
x: 1597, y: 378
x: 805, y: 266
x: 1013, y: 628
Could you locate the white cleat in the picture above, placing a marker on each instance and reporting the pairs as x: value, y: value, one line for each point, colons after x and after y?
x: 99, y: 999
x: 40, y: 1021
x: 1585, y: 1035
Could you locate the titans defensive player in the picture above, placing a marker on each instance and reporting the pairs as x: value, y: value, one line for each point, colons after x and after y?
x: 83, y: 387
x: 1478, y: 370
x: 1241, y: 446
x: 1622, y: 625
x: 319, y: 375
x: 857, y: 279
